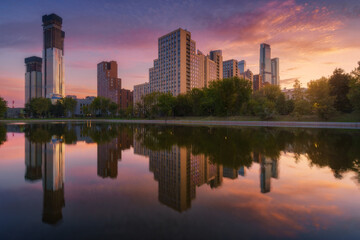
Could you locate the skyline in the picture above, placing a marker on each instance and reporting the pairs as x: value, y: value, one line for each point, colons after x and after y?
x: 311, y: 39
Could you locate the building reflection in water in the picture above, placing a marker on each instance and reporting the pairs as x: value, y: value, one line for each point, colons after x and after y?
x: 269, y: 168
x: 46, y: 161
x: 109, y: 154
x: 178, y: 173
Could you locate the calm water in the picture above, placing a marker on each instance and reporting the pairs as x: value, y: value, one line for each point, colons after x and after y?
x: 61, y: 181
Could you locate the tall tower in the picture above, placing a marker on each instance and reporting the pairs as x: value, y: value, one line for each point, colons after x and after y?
x: 216, y: 56
x: 108, y: 83
x: 275, y: 76
x: 230, y: 68
x: 265, y: 62
x: 33, y: 86
x: 53, y: 55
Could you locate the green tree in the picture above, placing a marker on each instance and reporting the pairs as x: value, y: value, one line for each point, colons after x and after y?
x: 301, y: 105
x: 183, y: 106
x: 69, y: 106
x: 38, y: 107
x: 339, y: 83
x: 354, y: 91
x: 100, y: 106
x: 3, y: 107
x: 166, y: 104
x: 319, y: 96
x: 229, y: 95
x: 113, y: 109
x: 150, y: 105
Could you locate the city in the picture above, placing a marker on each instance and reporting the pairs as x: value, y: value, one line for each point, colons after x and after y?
x: 195, y: 119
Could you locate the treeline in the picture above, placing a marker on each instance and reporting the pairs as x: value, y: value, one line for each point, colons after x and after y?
x: 230, y: 97
x: 65, y: 107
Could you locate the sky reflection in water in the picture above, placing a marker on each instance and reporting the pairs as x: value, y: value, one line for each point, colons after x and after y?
x: 111, y: 180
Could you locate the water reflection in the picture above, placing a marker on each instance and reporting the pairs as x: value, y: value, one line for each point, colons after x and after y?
x: 182, y: 158
x: 46, y: 160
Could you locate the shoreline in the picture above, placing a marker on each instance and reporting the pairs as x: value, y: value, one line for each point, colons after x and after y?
x: 228, y: 123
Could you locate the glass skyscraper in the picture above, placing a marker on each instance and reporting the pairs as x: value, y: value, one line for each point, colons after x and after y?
x: 265, y: 62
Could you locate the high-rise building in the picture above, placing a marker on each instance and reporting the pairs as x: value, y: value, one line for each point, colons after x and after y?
x: 230, y: 69
x: 139, y: 91
x: 275, y: 75
x: 126, y: 98
x: 265, y: 62
x: 172, y: 70
x: 108, y: 83
x: 197, y: 67
x: 53, y: 56
x: 248, y: 75
x: 33, y: 78
x: 242, y: 66
x: 257, y: 82
x: 216, y: 56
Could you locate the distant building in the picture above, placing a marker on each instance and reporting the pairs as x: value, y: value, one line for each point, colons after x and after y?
x: 33, y: 78
x: 230, y: 69
x: 275, y: 77
x: 126, y: 98
x: 81, y: 104
x: 257, y: 82
x: 139, y: 91
x: 108, y: 83
x: 216, y: 56
x: 289, y: 93
x: 248, y: 75
x: 242, y: 66
x: 265, y: 62
x: 53, y: 56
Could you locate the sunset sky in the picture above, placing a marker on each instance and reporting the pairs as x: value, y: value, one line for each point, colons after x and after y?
x: 311, y: 38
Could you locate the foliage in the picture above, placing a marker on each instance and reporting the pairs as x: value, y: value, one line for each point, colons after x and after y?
x: 339, y: 83
x: 100, y: 106
x: 354, y: 92
x: 2, y: 134
x: 38, y: 107
x: 319, y: 96
x: 69, y: 106
x: 3, y: 107
x: 166, y: 103
x: 301, y: 104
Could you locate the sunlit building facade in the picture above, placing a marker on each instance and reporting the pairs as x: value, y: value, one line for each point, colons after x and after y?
x: 108, y: 83
x: 53, y: 56
x: 230, y: 69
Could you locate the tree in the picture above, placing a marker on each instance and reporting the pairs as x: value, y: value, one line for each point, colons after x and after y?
x: 57, y: 109
x: 38, y: 107
x: 339, y: 83
x: 69, y: 106
x: 319, y: 96
x: 100, y: 106
x: 183, y: 106
x: 354, y: 91
x: 229, y: 95
x: 283, y: 106
x: 301, y: 105
x: 113, y: 109
x: 166, y: 103
x: 3, y: 107
x: 149, y: 105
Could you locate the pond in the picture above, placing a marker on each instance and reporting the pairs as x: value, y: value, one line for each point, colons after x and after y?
x: 97, y: 181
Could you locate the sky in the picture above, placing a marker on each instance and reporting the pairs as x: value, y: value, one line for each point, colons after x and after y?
x: 311, y: 38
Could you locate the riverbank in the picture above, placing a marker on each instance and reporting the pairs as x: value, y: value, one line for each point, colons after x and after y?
x: 291, y: 124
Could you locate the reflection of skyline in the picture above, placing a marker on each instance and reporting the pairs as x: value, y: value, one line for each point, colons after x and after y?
x: 109, y: 154
x: 46, y: 161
